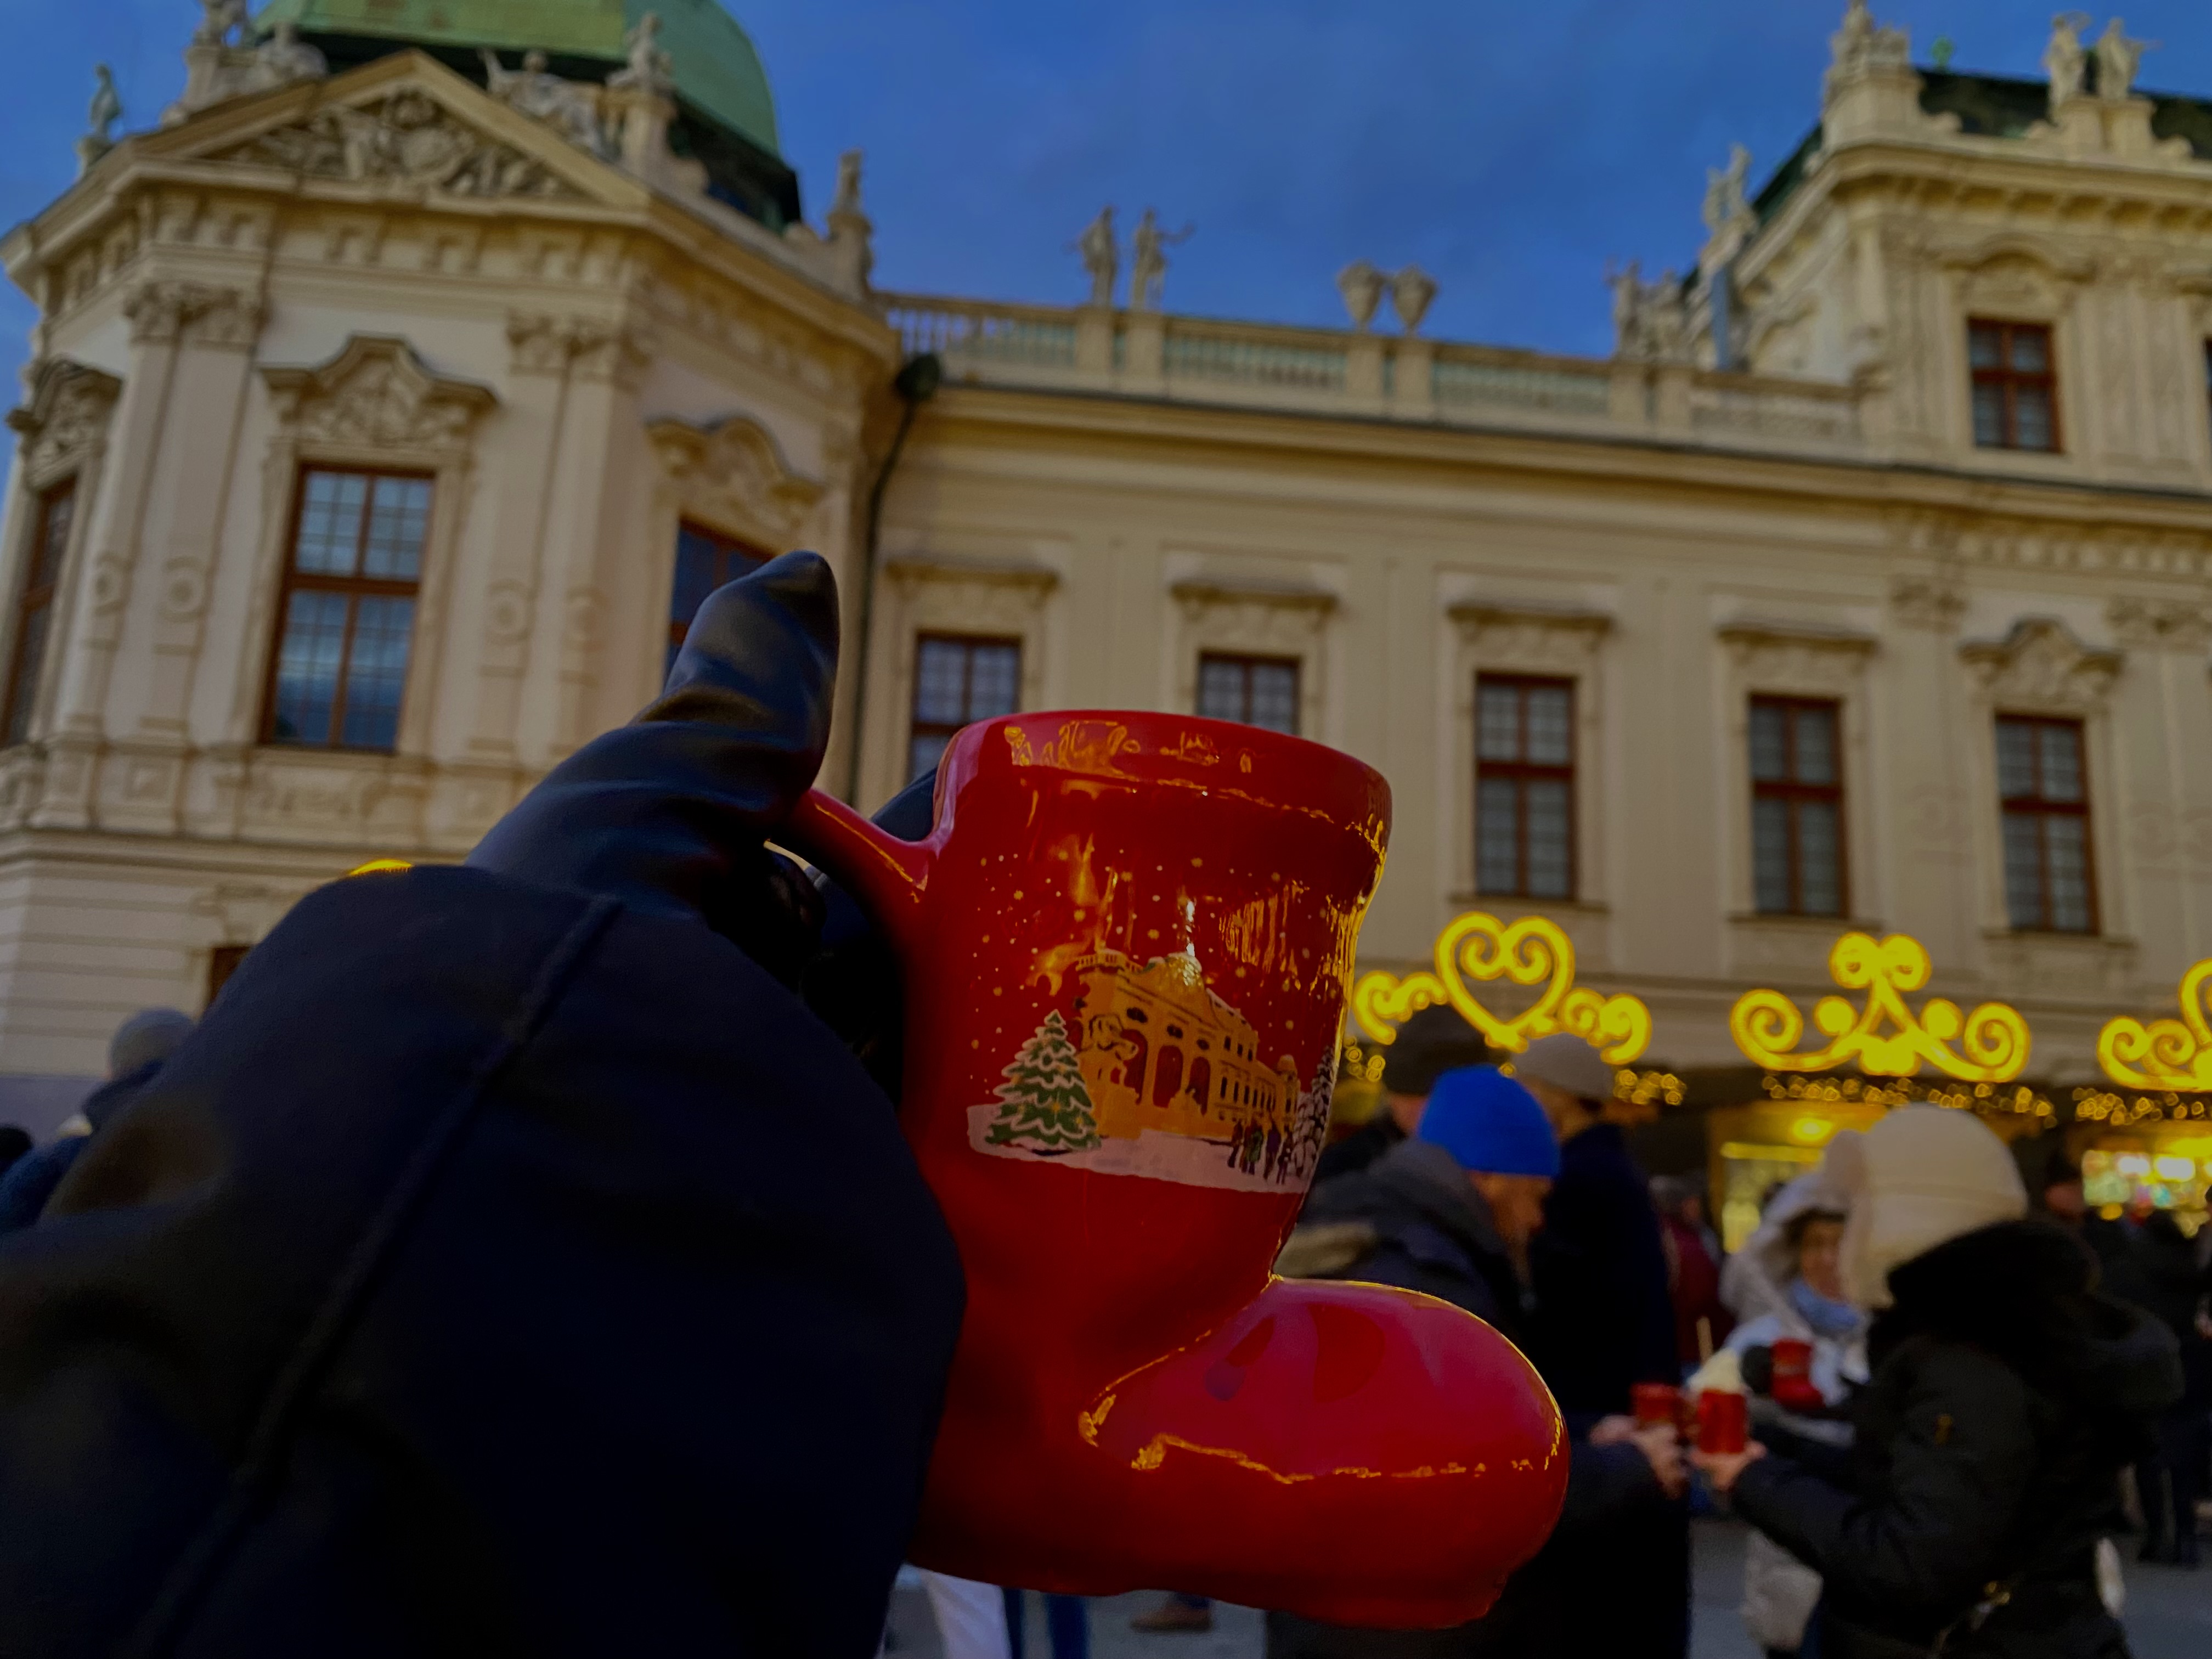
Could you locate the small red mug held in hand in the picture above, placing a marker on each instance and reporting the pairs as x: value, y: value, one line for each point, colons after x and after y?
x: 1724, y: 1422
x: 1793, y: 1388
x: 1654, y: 1403
x: 1126, y: 947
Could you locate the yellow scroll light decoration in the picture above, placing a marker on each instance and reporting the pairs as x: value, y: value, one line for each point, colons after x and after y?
x: 380, y: 866
x: 1993, y: 1041
x: 1531, y: 951
x: 2166, y: 1054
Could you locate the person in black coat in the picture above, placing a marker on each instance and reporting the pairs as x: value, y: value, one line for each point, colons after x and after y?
x: 2006, y: 1395
x: 1450, y: 1214
x: 1434, y: 1041
x: 2172, y: 1290
x: 510, y: 1263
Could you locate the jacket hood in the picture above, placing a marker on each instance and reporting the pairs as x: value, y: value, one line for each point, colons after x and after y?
x: 2026, y: 1291
x: 1755, y: 1280
x: 1922, y: 1176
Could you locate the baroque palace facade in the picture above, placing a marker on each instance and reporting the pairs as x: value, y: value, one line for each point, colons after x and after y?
x: 391, y: 407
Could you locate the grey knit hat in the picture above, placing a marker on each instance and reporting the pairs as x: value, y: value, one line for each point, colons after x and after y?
x: 1431, y: 1042
x: 1565, y: 1061
x: 149, y: 1035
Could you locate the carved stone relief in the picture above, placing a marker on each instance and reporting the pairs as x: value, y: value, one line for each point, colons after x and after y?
x: 376, y: 394
x: 406, y: 141
x: 1934, y: 603
x: 2161, y: 624
x: 1255, y: 617
x: 67, y: 416
x: 1531, y: 638
x: 2040, y: 664
x: 733, y: 474
x: 165, y: 313
x: 1775, y: 657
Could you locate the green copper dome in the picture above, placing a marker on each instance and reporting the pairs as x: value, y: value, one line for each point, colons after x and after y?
x: 717, y: 71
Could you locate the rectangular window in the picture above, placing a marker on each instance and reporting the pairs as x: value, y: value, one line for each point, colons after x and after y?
x: 705, y: 560
x: 1524, y: 790
x: 2043, y: 784
x: 51, y: 518
x: 1797, y: 808
x: 347, y: 609
x: 1260, y: 691
x: 2015, y: 385
x: 958, y: 680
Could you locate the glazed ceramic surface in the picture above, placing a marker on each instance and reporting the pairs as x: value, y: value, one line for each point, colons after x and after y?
x: 1125, y: 948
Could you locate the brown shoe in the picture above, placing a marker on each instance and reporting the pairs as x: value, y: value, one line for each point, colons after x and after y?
x: 1175, y: 1616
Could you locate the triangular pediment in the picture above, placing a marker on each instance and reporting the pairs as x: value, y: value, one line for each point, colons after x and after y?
x: 405, y: 125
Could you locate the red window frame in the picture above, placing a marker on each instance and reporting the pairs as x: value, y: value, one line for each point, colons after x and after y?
x: 355, y: 587
x: 1789, y: 789
x: 2009, y: 381
x: 970, y: 644
x: 2037, y: 804
x: 1244, y: 667
x: 1522, y: 772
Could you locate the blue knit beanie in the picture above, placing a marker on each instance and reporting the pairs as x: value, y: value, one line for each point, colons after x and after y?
x: 1489, y: 1124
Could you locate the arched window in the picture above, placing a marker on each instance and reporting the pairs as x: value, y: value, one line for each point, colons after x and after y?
x: 1202, y: 1076
x: 1169, y: 1076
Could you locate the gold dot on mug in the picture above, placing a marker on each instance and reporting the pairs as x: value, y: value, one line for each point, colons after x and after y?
x: 1198, y: 864
x: 998, y: 990
x: 1017, y: 892
x: 1151, y: 933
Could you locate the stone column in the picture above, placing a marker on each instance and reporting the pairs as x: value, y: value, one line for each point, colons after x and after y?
x: 1932, y: 881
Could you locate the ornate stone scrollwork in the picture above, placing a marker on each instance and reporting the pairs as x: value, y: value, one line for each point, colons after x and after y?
x: 2041, y: 665
x: 1777, y: 655
x: 2161, y: 624
x: 68, y: 414
x: 407, y: 140
x: 165, y: 313
x: 376, y: 394
x: 1531, y: 636
x: 1934, y: 603
x: 733, y: 473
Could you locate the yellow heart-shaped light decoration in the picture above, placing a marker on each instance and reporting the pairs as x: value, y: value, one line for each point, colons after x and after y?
x: 1533, y: 951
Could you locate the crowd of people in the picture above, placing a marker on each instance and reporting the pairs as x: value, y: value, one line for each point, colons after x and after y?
x: 464, y: 1281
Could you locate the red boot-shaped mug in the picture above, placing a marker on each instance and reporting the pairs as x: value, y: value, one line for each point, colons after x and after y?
x: 1126, y: 946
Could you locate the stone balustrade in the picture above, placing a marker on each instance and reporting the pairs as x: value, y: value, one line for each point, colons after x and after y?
x: 1390, y: 377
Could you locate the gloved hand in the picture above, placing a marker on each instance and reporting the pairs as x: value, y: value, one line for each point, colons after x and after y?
x: 669, y: 813
x: 852, y: 984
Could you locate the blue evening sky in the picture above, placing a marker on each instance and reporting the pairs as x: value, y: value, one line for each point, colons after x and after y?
x: 1509, y: 149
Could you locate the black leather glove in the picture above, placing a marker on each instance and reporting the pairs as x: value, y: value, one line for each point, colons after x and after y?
x: 1758, y: 1370
x: 668, y: 813
x: 852, y: 985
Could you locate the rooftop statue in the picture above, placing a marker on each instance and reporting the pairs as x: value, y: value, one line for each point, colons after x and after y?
x: 1362, y: 287
x: 1862, y: 43
x: 219, y: 21
x: 284, y: 58
x: 652, y: 69
x: 1650, y: 320
x: 1102, y: 257
x: 1724, y: 197
x: 2066, y: 60
x: 569, y: 107
x: 1148, y: 259
x: 2117, y: 60
x: 848, y: 198
x: 1412, y: 291
x: 107, y: 107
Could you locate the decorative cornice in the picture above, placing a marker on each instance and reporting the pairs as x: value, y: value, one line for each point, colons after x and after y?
x: 2060, y: 263
x: 164, y: 312
x: 1203, y: 595
x: 1928, y: 602
x: 914, y: 569
x: 1749, y: 636
x: 68, y: 413
x: 732, y: 470
x: 1479, y: 616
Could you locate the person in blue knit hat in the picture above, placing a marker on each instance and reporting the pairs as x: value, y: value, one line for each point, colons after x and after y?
x: 1451, y: 1213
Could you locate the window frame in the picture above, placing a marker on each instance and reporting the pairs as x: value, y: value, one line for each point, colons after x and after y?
x: 2008, y: 377
x: 1793, y: 792
x: 1246, y: 661
x: 1524, y: 771
x: 918, y: 727
x: 292, y: 579
x: 41, y: 556
x: 2043, y: 809
x: 726, y: 547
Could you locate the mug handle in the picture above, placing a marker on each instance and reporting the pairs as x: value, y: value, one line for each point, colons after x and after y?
x: 888, y: 875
